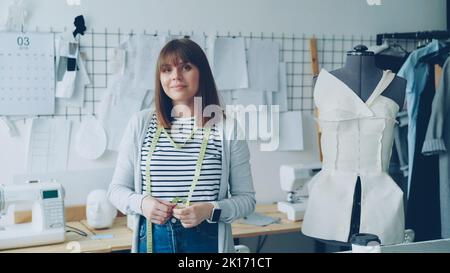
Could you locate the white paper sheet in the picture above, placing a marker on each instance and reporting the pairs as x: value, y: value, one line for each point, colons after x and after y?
x: 248, y: 97
x: 268, y: 96
x: 12, y: 129
x: 147, y: 52
x: 291, y: 131
x: 17, y: 15
x: 117, y: 58
x: 197, y: 38
x: 62, y: 41
x: 115, y: 112
x: 149, y: 100
x: 230, y: 64
x: 27, y: 74
x: 263, y: 59
x: 226, y: 97
x: 280, y: 97
x: 65, y: 86
x: 210, y: 40
x: 90, y: 141
x: 81, y: 81
x: 48, y: 145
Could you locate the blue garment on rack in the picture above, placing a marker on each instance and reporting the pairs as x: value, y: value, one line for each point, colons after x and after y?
x: 416, y: 74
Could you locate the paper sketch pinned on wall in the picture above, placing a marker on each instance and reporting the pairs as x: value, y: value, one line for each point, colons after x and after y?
x: 263, y: 59
x: 197, y: 38
x: 27, y: 74
x: 127, y: 94
x: 115, y: 110
x: 268, y: 96
x: 17, y: 15
x: 226, y: 97
x: 148, y: 102
x: 12, y: 129
x: 230, y: 64
x: 81, y: 81
x: 90, y: 141
x: 209, y: 41
x: 48, y: 145
x: 141, y: 54
x: 291, y: 131
x: 248, y: 97
x: 67, y: 69
x: 116, y: 61
x: 147, y: 51
x: 280, y: 97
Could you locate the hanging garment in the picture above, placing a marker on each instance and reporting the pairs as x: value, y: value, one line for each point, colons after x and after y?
x: 437, y: 140
x: 416, y: 74
x: 386, y: 61
x: 357, y: 139
x: 422, y: 210
x: 392, y: 57
x: 389, y: 56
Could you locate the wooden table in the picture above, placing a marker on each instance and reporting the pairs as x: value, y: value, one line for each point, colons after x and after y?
x: 118, y: 237
x: 284, y: 225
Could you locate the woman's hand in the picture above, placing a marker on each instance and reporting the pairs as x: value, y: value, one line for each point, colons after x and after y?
x: 157, y: 211
x: 193, y: 215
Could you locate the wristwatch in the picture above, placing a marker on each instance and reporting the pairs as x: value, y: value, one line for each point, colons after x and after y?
x: 215, y: 213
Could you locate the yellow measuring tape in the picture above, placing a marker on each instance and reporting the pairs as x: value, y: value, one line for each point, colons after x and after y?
x: 198, y: 169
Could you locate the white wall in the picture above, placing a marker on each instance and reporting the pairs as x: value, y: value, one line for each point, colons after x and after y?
x: 211, y: 16
x: 289, y: 16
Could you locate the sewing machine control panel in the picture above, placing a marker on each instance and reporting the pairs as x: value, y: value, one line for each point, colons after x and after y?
x: 53, y: 209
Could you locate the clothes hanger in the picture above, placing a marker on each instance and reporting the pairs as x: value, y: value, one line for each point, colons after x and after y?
x: 394, y: 49
x: 439, y: 56
x: 395, y: 44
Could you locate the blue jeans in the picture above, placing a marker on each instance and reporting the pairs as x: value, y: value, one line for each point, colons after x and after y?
x: 172, y: 237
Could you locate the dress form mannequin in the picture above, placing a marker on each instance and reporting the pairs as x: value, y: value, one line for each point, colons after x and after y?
x: 361, y: 75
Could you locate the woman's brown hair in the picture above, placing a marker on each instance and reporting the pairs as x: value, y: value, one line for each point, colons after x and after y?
x: 186, y: 51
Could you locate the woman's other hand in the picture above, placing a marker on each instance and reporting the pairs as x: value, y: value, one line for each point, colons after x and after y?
x: 157, y: 211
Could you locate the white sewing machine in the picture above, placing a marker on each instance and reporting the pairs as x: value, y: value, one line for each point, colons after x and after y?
x: 293, y: 179
x: 48, y: 221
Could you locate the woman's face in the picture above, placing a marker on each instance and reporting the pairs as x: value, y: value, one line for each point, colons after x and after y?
x: 180, y: 82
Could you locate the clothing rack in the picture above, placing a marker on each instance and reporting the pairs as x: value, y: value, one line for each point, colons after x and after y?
x: 420, y: 35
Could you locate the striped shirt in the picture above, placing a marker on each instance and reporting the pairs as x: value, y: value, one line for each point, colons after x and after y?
x: 172, y: 170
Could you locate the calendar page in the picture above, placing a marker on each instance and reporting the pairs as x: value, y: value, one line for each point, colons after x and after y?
x: 27, y: 73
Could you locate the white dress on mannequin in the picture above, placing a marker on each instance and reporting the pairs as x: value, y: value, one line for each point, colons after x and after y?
x: 356, y: 140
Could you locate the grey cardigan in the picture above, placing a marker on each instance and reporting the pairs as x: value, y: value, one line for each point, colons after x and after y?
x: 236, y: 193
x: 437, y: 141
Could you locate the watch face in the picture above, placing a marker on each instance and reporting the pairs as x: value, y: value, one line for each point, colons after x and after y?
x: 216, y: 215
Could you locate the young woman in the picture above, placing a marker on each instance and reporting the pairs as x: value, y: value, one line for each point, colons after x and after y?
x: 183, y: 174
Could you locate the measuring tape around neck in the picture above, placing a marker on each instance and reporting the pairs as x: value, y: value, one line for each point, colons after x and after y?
x: 198, y: 168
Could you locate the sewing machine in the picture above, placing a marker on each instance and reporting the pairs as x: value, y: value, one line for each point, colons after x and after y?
x: 48, y: 221
x: 293, y: 179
